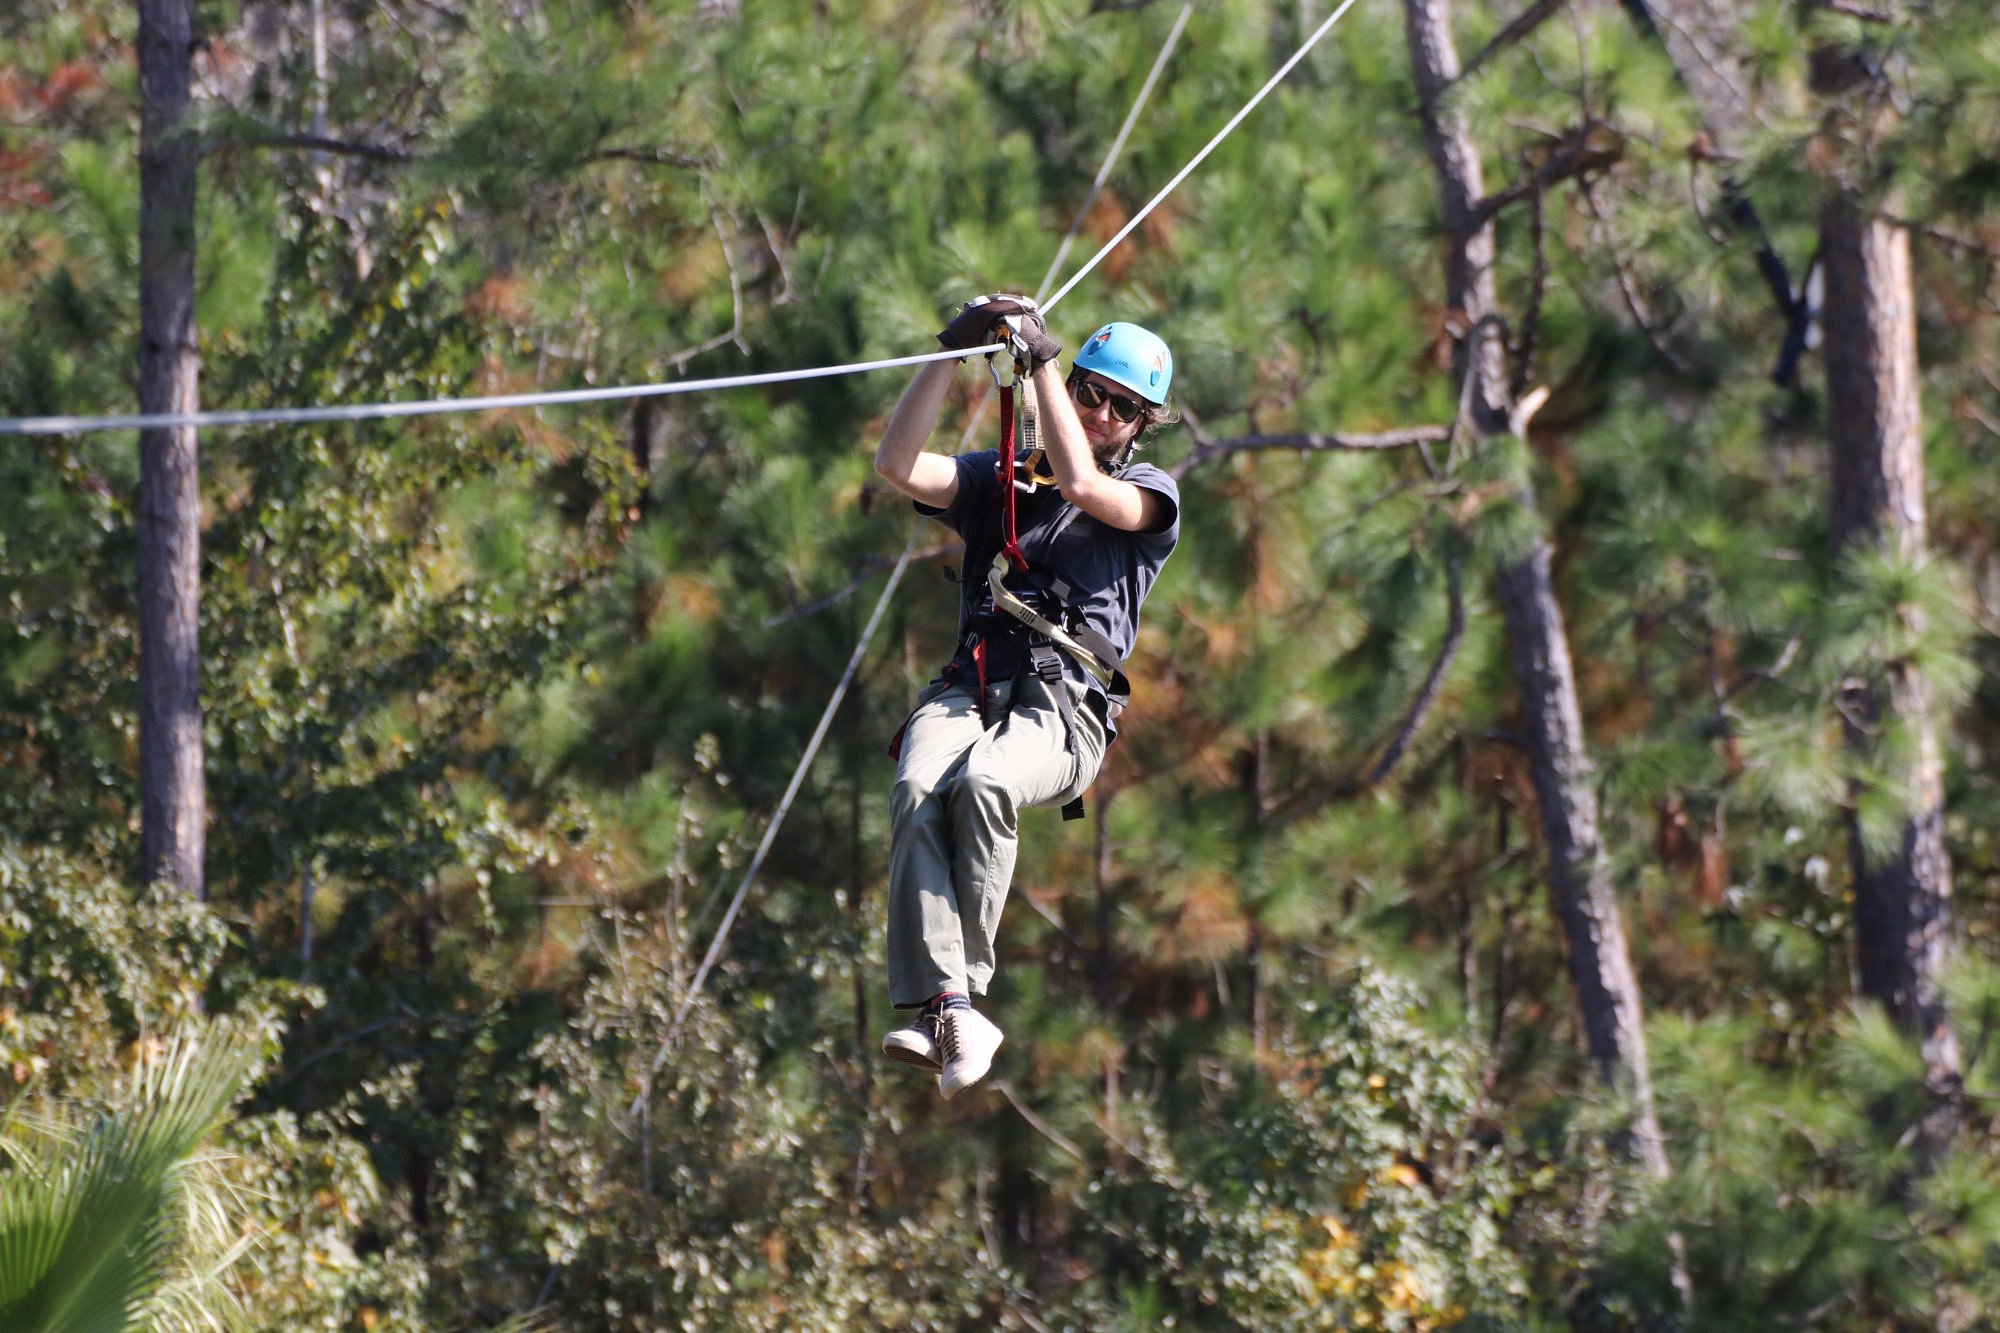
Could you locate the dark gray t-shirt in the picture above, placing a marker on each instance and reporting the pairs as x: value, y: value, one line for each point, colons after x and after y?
x: 1109, y: 571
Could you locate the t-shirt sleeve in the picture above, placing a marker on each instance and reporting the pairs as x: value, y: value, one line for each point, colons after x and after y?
x: 1148, y: 477
x: 978, y: 484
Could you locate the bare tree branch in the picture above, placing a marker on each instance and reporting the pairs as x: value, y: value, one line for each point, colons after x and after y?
x: 1538, y: 286
x: 1697, y: 38
x: 1414, y: 716
x: 375, y: 152
x: 1853, y: 11
x: 1046, y: 913
x: 1592, y: 146
x: 868, y: 568
x: 1035, y: 1122
x: 672, y: 157
x: 1309, y: 441
x: 1427, y: 694
x: 735, y: 333
x: 320, y: 143
x: 1535, y: 15
x: 1635, y: 304
x: 1950, y: 240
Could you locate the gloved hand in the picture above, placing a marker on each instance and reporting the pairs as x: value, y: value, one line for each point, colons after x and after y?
x: 980, y: 323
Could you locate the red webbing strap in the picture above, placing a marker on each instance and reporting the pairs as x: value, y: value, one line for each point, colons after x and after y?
x: 1010, y: 544
x: 979, y: 671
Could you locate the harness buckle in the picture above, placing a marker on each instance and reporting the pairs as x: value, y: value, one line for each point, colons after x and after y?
x: 993, y: 364
x: 1037, y: 471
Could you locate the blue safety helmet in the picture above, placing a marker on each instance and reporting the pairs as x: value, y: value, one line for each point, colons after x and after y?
x: 1134, y: 357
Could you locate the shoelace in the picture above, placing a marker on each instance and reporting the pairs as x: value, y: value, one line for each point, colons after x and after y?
x: 947, y: 1037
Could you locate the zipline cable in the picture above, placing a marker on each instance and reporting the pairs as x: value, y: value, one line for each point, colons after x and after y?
x: 784, y: 808
x: 292, y: 416
x: 1117, y: 147
x: 1202, y: 156
x: 428, y: 407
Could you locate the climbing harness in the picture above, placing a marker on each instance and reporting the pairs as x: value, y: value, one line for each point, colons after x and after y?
x: 1053, y: 628
x: 1049, y: 639
x: 1011, y: 560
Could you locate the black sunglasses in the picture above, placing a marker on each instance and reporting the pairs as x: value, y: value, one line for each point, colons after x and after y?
x: 1089, y: 394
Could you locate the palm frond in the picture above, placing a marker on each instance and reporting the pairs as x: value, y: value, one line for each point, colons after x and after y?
x: 89, y: 1219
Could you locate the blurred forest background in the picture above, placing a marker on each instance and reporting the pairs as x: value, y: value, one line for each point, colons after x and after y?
x: 1410, y: 973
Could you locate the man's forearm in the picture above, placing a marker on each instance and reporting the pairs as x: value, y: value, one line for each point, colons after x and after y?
x: 900, y: 459
x: 1106, y: 499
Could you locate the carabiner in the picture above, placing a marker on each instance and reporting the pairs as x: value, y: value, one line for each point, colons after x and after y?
x: 993, y: 369
x: 1017, y: 352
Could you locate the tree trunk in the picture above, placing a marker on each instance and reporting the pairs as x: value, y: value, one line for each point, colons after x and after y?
x: 173, y: 805
x: 1902, y: 893
x: 1700, y: 40
x: 1600, y: 963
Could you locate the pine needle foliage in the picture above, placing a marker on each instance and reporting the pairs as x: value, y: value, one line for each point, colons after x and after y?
x: 497, y: 706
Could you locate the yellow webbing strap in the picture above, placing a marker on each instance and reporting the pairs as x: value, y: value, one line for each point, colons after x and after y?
x: 1005, y: 600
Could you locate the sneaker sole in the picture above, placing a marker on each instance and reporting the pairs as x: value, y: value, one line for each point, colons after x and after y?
x: 910, y: 1055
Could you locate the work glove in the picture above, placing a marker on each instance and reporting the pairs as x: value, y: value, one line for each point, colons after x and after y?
x: 980, y: 323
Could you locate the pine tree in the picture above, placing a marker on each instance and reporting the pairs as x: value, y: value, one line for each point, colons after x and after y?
x: 1593, y: 924
x: 174, y: 809
x: 1903, y: 929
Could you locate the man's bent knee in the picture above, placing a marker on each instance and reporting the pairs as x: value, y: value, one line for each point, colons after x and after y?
x: 983, y: 789
x: 908, y: 795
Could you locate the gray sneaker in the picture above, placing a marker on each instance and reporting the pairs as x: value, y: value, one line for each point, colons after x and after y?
x: 916, y: 1043
x: 967, y: 1040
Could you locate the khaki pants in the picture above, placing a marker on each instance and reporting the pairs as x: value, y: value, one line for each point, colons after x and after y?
x: 954, y: 818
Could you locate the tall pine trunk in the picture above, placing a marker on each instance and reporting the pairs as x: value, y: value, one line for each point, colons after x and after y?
x: 1607, y: 990
x: 1902, y: 891
x: 173, y: 805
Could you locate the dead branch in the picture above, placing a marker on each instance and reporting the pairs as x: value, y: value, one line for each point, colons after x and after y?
x: 1773, y: 674
x: 1628, y: 290
x: 1950, y: 240
x: 1592, y: 146
x: 1538, y: 286
x: 1853, y: 11
x: 1715, y: 83
x: 320, y: 143
x: 1414, y: 716
x: 1310, y: 442
x: 1043, y: 911
x: 1426, y: 696
x: 868, y: 568
x: 1532, y: 18
x: 374, y: 152
x: 671, y: 157
x: 1035, y: 1122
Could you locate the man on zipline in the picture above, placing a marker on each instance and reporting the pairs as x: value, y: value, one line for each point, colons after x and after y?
x: 1048, y: 612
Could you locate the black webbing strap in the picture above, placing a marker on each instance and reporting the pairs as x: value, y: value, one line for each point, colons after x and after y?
x: 1048, y: 665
